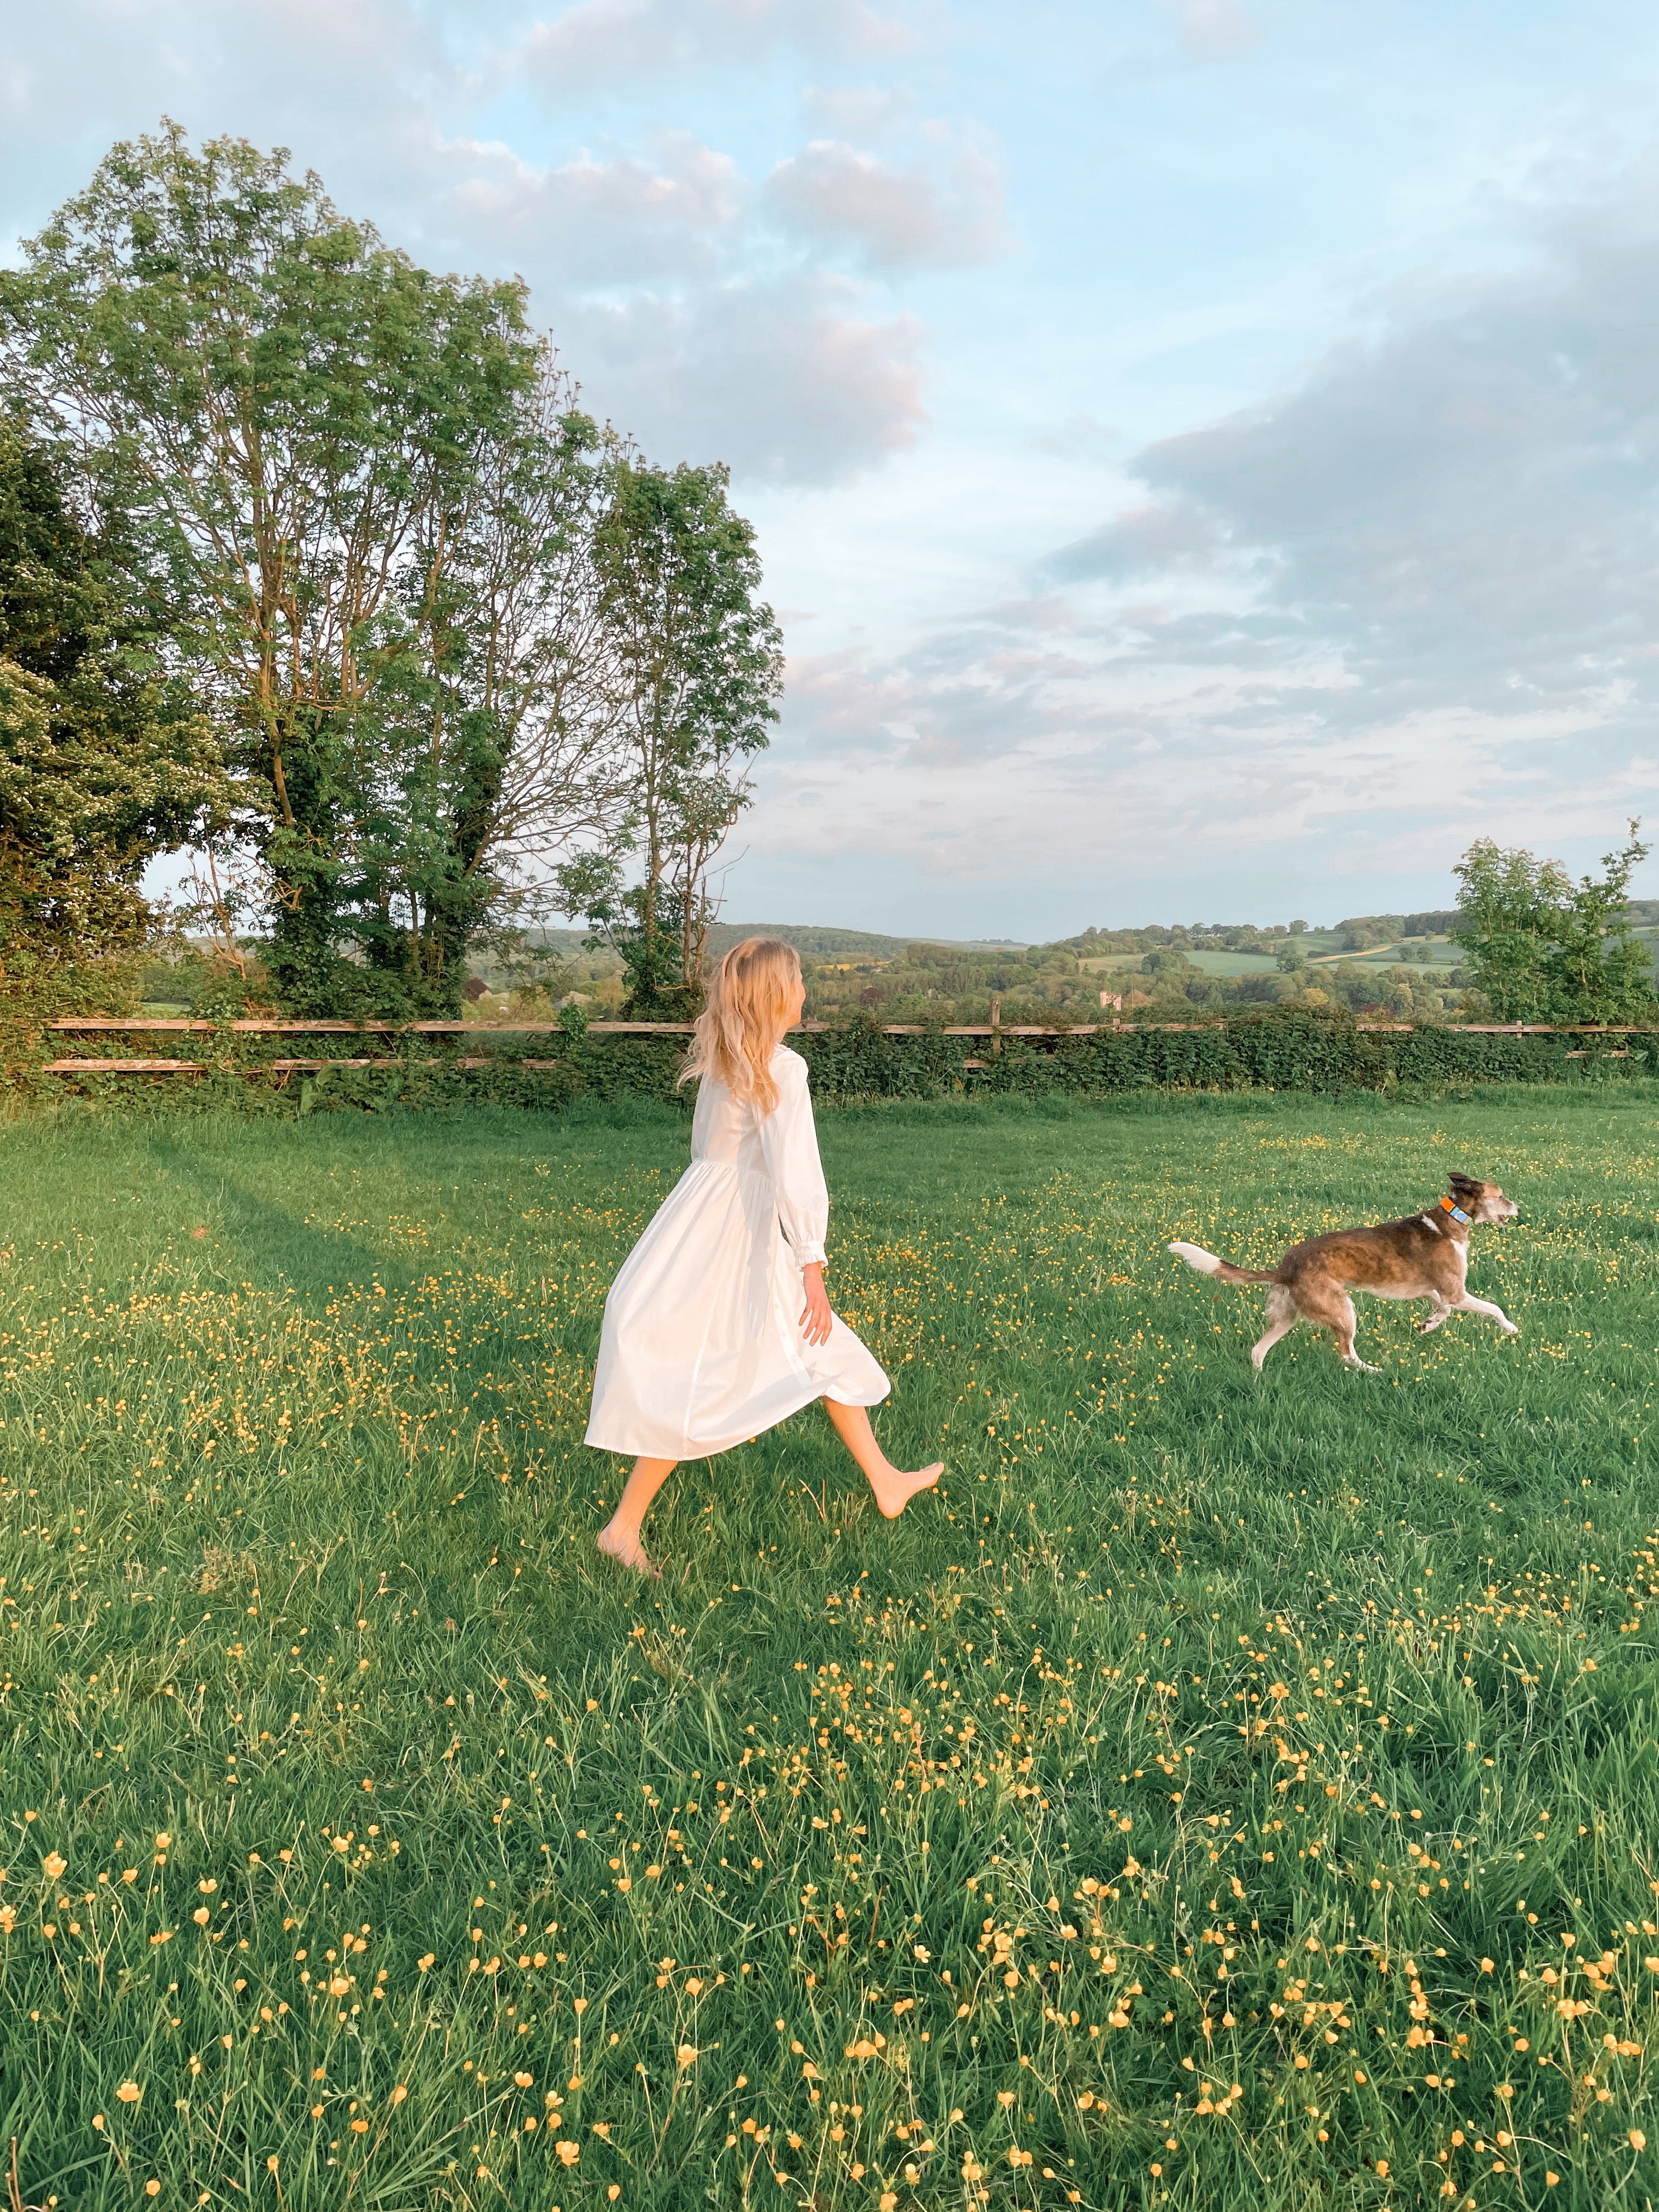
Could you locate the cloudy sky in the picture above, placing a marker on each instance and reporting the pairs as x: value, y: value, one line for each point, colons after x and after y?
x: 1205, y: 452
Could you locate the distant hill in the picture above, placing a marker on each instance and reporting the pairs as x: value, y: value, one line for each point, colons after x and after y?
x: 814, y: 943
x: 1435, y: 923
x: 845, y: 944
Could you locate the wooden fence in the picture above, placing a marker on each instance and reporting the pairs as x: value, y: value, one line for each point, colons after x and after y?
x: 994, y: 1032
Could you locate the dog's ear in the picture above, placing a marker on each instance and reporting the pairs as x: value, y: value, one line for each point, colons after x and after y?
x: 1465, y: 1186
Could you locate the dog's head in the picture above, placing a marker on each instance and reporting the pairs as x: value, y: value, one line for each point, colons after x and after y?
x: 1482, y: 1202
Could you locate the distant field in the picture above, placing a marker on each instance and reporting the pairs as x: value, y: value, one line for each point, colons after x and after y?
x: 825, y: 944
x: 1212, y: 963
x: 1235, y: 963
x: 1443, y: 954
x: 1225, y: 1791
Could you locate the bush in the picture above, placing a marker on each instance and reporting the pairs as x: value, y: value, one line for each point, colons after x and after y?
x: 1296, y: 1048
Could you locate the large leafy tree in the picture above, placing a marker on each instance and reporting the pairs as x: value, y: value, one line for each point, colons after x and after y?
x: 1546, y: 949
x: 105, y: 758
x: 699, y: 657
x: 501, y: 699
x: 303, y: 431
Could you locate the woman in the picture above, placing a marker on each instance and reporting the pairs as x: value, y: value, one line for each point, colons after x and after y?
x: 718, y: 1325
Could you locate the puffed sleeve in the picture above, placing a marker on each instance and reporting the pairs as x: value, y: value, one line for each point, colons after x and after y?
x: 790, y: 1143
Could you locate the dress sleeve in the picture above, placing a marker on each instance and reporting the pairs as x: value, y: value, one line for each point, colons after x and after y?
x: 790, y: 1143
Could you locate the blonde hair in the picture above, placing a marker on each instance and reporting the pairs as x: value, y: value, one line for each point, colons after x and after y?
x: 744, y: 1018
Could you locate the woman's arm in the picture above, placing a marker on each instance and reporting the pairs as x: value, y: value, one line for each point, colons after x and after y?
x: 816, y: 1316
x: 790, y: 1142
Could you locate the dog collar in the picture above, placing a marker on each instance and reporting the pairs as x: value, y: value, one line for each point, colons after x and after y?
x: 1456, y: 1212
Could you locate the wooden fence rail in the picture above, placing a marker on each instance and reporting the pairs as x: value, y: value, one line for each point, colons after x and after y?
x: 994, y: 1031
x: 86, y: 1024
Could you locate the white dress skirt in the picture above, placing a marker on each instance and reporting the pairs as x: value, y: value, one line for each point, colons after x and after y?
x: 701, y: 1347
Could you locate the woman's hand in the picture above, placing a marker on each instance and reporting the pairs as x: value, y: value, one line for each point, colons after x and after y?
x: 815, y: 1320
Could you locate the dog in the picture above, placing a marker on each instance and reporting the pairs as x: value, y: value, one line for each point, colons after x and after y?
x: 1427, y: 1255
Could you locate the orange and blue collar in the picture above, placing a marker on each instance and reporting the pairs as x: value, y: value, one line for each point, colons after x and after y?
x: 1456, y: 1211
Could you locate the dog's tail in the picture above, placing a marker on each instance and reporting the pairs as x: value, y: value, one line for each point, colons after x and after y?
x: 1207, y: 1264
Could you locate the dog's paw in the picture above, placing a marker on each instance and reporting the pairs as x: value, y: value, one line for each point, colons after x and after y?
x: 1510, y: 1328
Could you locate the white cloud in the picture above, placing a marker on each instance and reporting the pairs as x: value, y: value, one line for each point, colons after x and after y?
x: 1151, y: 538
x: 1213, y: 30
x: 1412, y: 602
x: 600, y: 222
x: 1464, y: 507
x: 998, y: 757
x: 785, y: 379
x: 948, y: 215
x: 602, y: 44
x: 865, y: 113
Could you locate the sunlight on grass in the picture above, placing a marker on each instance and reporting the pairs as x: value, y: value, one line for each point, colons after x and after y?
x: 1224, y: 1785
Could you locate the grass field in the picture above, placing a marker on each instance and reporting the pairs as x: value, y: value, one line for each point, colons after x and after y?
x: 1224, y: 1790
x: 1321, y: 953
x: 1209, y: 964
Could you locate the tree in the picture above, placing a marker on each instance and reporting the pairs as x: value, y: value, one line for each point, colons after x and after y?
x: 301, y: 429
x: 500, y: 735
x: 1545, y: 949
x: 104, y: 760
x: 701, y: 665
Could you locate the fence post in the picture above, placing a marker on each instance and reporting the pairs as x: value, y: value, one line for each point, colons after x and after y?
x: 996, y: 1026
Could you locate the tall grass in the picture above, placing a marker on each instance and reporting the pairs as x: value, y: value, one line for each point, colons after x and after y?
x: 1223, y: 1787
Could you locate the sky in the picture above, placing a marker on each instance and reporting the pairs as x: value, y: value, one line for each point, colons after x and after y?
x: 1204, y: 452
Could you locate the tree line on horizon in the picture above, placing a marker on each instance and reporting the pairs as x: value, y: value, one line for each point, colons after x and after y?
x: 313, y: 566
x: 1532, y: 945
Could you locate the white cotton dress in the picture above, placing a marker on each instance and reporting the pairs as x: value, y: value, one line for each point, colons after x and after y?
x: 701, y: 1347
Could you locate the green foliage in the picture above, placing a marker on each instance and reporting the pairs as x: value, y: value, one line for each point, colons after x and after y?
x: 1361, y: 932
x: 1290, y: 1050
x: 1279, y: 1051
x: 1182, y: 1670
x: 104, y: 759
x: 946, y: 983
x: 701, y: 653
x: 1545, y: 949
x: 303, y: 435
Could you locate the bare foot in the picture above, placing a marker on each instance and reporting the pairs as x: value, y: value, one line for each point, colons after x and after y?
x: 627, y: 1551
x: 894, y: 1489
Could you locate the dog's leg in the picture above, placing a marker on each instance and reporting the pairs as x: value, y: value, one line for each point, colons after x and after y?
x: 1468, y: 1304
x: 1439, y: 1313
x: 1282, y: 1318
x: 1345, y: 1343
x: 1333, y: 1309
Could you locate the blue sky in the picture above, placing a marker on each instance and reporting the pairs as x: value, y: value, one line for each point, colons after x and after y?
x: 1205, y: 452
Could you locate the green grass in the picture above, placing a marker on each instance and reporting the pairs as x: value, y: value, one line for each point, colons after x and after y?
x: 1235, y: 963
x: 1208, y: 964
x: 1443, y: 954
x: 1213, y: 1796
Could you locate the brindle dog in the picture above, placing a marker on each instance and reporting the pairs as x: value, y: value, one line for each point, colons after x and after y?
x: 1426, y: 1256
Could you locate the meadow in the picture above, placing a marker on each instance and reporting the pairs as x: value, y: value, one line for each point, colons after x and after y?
x: 1224, y: 1789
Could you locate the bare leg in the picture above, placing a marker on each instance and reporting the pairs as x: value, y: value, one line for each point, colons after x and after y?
x: 1282, y: 1317
x: 1467, y: 1305
x: 894, y: 1489
x: 620, y: 1537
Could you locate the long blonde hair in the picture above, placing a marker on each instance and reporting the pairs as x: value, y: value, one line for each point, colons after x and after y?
x: 744, y: 1018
